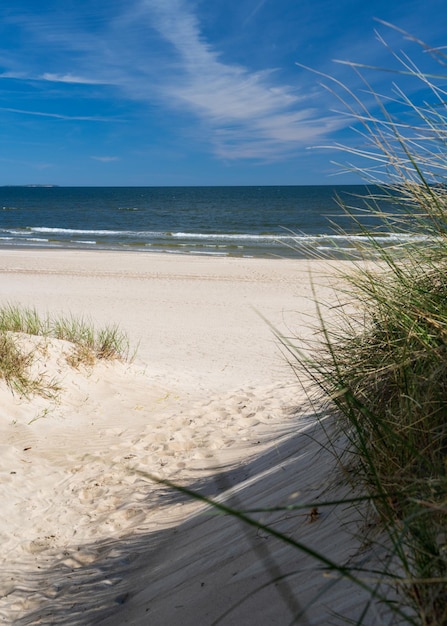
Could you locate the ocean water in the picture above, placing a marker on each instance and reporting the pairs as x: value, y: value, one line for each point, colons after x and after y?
x: 283, y: 221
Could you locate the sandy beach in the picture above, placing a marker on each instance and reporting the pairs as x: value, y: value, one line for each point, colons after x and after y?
x: 209, y: 402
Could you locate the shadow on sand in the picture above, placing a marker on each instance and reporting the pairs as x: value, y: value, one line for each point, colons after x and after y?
x: 213, y: 569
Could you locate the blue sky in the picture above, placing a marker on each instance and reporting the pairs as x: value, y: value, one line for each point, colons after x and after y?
x: 187, y: 92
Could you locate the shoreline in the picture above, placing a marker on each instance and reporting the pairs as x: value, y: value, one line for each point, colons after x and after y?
x: 296, y: 254
x: 166, y: 302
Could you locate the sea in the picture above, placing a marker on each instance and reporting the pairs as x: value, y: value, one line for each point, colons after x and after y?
x: 243, y: 221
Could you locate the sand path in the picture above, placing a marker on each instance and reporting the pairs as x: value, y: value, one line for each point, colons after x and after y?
x: 209, y: 402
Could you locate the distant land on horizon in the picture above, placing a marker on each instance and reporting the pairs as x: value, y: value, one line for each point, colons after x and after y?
x: 49, y: 186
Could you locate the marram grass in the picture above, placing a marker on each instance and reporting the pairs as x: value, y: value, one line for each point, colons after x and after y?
x: 384, y: 370
x: 88, y: 344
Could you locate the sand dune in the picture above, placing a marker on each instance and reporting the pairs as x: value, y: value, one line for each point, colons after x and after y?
x: 210, y: 403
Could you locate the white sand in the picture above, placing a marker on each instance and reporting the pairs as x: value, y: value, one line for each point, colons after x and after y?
x: 86, y: 537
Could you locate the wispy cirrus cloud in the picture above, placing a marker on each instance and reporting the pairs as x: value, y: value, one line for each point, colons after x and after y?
x: 70, y: 78
x: 54, y: 78
x: 105, y: 159
x: 59, y: 116
x: 245, y: 112
x: 155, y: 52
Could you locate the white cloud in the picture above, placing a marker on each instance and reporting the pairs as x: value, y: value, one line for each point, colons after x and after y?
x: 240, y: 113
x: 69, y: 78
x: 55, y: 78
x: 83, y: 118
x: 105, y: 159
x: 246, y: 113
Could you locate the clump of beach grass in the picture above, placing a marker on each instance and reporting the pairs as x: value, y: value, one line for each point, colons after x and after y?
x: 104, y: 343
x: 88, y: 345
x: 14, y: 365
x: 383, y: 366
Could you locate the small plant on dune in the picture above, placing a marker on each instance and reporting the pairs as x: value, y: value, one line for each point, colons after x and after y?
x: 13, y: 364
x: 22, y: 319
x: 15, y: 369
x: 105, y: 343
x: 80, y: 355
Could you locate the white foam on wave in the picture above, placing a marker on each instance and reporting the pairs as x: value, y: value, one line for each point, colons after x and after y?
x: 72, y: 231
